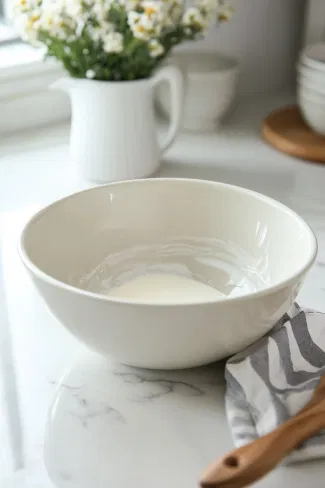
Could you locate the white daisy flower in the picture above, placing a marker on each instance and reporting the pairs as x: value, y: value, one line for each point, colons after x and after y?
x: 99, y: 10
x: 133, y: 18
x: 74, y: 8
x: 22, y: 6
x: 113, y: 42
x: 217, y: 9
x: 53, y: 24
x: 193, y: 18
x: 100, y: 32
x: 155, y: 48
x: 90, y: 74
x: 225, y: 13
x: 154, y: 14
x: 152, y: 8
x: 145, y: 25
x: 130, y: 4
x: 140, y: 31
x: 51, y: 18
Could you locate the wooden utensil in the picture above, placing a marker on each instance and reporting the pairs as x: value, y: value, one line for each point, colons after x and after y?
x: 245, y: 465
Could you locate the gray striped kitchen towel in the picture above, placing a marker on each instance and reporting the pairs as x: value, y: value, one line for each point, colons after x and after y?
x: 275, y: 377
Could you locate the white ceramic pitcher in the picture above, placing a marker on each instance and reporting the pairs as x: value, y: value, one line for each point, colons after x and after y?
x: 113, y: 132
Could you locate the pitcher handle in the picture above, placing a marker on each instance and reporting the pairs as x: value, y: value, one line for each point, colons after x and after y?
x: 174, y: 77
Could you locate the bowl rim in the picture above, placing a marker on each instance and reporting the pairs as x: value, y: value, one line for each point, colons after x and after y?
x: 308, y: 72
x: 140, y: 303
x: 307, y: 58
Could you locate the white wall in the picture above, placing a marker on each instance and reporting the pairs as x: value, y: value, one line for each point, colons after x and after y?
x: 265, y: 35
x: 315, y: 22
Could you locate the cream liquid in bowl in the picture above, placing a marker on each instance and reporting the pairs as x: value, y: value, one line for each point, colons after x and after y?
x: 182, y: 270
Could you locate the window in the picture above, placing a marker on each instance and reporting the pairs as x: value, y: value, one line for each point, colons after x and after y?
x: 7, y: 33
x: 25, y: 98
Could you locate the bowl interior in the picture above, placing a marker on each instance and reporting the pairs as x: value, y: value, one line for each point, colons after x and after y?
x: 235, y: 240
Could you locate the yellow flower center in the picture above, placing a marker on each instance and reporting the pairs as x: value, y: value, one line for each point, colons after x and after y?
x: 222, y: 18
x: 140, y: 28
x: 150, y: 11
x: 34, y: 18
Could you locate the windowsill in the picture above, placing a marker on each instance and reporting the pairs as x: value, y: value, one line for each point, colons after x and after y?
x: 21, y: 59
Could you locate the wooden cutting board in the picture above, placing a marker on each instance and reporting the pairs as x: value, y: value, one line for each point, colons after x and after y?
x: 285, y: 129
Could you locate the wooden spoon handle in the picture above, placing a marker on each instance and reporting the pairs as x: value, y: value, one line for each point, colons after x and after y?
x: 245, y: 465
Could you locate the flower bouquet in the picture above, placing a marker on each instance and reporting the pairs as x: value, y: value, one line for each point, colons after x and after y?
x: 114, y: 40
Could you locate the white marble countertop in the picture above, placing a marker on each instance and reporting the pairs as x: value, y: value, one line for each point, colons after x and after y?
x: 110, y: 425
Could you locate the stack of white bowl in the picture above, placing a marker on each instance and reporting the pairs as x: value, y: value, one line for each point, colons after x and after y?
x: 311, y: 86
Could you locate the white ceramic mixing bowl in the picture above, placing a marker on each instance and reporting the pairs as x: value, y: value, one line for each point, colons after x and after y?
x: 254, y: 236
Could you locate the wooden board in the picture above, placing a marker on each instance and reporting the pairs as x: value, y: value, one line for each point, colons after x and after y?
x: 285, y: 129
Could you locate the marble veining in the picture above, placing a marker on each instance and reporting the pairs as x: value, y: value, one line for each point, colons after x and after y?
x: 110, y: 425
x: 158, y: 387
x: 86, y: 416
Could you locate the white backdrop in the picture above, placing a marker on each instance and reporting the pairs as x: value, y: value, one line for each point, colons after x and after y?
x: 315, y: 22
